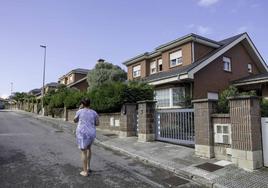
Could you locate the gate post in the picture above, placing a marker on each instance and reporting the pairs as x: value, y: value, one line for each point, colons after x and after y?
x: 204, y: 141
x: 146, y: 110
x: 246, y: 132
x: 128, y: 120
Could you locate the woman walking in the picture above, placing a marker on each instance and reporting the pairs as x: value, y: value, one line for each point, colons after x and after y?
x: 86, y: 132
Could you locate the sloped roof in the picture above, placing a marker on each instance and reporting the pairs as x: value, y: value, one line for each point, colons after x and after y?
x: 78, y: 70
x: 185, y: 69
x: 257, y: 78
x: 181, y: 40
x: 52, y: 84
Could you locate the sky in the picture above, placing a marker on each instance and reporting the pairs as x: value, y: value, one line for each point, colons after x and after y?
x: 79, y: 32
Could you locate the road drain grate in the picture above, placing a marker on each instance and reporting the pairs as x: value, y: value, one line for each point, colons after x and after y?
x: 111, y: 135
x: 59, y: 131
x: 175, y: 181
x: 209, y: 167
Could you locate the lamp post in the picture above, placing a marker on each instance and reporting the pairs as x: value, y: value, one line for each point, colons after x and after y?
x: 11, y: 88
x: 44, y: 73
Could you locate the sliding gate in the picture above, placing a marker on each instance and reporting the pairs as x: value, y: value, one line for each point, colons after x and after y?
x: 175, y: 126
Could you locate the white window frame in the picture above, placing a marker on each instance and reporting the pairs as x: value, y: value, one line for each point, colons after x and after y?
x: 136, y: 71
x: 170, y: 96
x: 227, y: 64
x: 175, y: 57
x: 153, y: 67
x: 159, y: 62
x: 250, y: 68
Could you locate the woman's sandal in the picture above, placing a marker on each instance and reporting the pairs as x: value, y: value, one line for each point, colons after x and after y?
x: 83, y: 173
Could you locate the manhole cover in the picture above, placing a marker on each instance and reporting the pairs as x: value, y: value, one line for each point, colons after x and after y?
x: 175, y: 181
x: 209, y: 167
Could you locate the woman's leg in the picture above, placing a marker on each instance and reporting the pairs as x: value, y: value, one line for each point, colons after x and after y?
x: 88, y: 157
x: 84, y: 162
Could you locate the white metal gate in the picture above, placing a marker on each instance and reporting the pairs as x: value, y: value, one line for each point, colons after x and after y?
x: 175, y: 126
x: 264, y: 127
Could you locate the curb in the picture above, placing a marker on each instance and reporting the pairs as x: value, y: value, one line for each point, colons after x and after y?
x: 200, y: 180
x: 60, y: 124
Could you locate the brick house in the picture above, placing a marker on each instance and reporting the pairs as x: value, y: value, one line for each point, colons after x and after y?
x: 76, y: 78
x: 195, y: 67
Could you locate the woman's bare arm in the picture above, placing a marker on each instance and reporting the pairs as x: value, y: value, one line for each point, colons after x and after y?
x: 76, y: 119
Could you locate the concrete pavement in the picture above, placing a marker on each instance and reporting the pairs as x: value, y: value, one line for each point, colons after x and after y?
x: 175, y: 158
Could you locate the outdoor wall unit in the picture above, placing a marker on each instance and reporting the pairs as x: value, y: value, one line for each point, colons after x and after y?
x: 222, y: 133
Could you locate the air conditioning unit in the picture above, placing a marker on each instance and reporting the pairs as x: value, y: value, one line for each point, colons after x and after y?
x: 222, y: 133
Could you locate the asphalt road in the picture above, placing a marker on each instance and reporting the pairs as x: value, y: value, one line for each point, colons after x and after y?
x: 33, y: 154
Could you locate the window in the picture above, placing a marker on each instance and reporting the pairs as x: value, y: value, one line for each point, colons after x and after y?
x: 160, y: 66
x: 227, y: 64
x: 175, y: 58
x: 70, y: 78
x: 178, y: 95
x: 137, y: 71
x: 162, y: 97
x: 153, y: 67
x: 170, y: 97
x: 249, y: 68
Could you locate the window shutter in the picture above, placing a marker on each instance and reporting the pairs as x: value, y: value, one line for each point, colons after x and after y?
x: 175, y: 55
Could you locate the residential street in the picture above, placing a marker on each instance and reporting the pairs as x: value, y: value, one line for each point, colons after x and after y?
x: 34, y: 154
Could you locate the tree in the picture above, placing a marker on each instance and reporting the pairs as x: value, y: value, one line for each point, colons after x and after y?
x: 19, y: 97
x: 104, y: 73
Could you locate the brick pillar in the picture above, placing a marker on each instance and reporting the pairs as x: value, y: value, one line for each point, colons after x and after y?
x: 146, y: 112
x: 204, y: 140
x: 128, y: 120
x: 246, y: 132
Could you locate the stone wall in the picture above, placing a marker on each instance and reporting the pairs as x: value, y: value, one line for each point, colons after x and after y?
x: 110, y: 121
x: 70, y: 114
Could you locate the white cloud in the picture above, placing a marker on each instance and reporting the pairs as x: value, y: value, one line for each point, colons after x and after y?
x: 241, y: 29
x: 199, y: 29
x: 207, y: 3
x: 190, y: 26
x: 203, y: 30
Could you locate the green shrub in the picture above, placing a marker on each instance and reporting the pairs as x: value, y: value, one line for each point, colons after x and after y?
x: 231, y: 91
x: 73, y: 99
x: 108, y: 97
x: 264, y: 107
x: 138, y: 91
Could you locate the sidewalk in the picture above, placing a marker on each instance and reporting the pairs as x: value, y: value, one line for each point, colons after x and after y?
x: 175, y: 158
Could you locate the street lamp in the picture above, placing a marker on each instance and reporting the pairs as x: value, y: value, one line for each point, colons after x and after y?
x: 11, y: 88
x: 44, y: 73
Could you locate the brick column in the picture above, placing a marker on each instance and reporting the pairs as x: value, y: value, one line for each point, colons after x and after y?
x: 246, y: 132
x: 128, y: 120
x: 204, y: 140
x: 146, y: 112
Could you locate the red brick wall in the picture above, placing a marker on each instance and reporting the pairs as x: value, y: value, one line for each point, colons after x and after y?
x: 213, y: 78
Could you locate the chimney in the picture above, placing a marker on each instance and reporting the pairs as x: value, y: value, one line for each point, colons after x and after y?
x: 100, y: 61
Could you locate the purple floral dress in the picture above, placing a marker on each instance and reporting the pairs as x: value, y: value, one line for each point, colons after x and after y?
x: 86, y: 130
